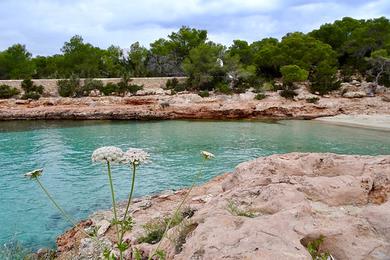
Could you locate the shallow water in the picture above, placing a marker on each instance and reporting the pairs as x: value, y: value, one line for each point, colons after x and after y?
x: 63, y: 149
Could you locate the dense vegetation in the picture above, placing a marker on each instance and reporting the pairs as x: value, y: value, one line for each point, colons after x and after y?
x: 348, y: 46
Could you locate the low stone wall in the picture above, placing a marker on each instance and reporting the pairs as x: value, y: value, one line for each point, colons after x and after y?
x: 50, y: 85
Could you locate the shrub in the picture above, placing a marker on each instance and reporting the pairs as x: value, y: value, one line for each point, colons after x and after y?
x: 109, y: 88
x: 260, y: 96
x: 324, y: 79
x: 312, y: 99
x: 204, y: 93
x: 171, y: 83
x: 268, y: 86
x: 154, y: 229
x: 8, y: 92
x: 31, y: 90
x: 69, y: 87
x: 175, y: 85
x: 91, y: 84
x: 288, y: 93
x: 314, y: 249
x: 133, y: 88
x: 223, y: 88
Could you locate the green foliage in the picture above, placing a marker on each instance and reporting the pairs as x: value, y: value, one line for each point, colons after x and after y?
x: 312, y: 99
x: 324, y: 79
x: 293, y: 73
x: 68, y: 87
x: 154, y: 229
x: 31, y: 91
x: 137, y: 60
x: 204, y: 93
x: 236, y: 211
x: 91, y: 84
x: 260, y: 96
x: 175, y: 85
x: 314, y: 249
x: 203, y: 65
x: 15, y: 63
x: 288, y: 93
x: 223, y: 88
x: 8, y: 92
x: 109, y: 88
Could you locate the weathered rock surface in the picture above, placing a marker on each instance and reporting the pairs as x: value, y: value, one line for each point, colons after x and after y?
x: 292, y: 199
x: 188, y: 106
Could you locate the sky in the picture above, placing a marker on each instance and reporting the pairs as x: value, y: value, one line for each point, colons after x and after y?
x: 44, y: 25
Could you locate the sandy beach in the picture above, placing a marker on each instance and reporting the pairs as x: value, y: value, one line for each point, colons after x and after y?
x: 378, y: 121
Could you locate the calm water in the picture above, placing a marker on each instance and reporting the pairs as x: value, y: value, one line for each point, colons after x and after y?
x: 63, y: 149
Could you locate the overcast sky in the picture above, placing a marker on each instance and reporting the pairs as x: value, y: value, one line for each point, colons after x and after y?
x: 44, y: 25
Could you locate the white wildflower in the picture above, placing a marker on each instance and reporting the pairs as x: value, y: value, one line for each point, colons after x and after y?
x: 110, y: 154
x: 207, y: 155
x: 136, y: 156
x: 34, y: 174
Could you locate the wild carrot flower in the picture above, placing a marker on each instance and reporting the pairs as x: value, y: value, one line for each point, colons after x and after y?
x: 34, y: 174
x: 109, y: 154
x: 207, y: 155
x: 136, y: 156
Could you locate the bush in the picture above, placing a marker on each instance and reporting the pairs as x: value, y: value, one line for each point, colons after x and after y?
x: 155, y: 228
x: 260, y: 96
x: 175, y: 85
x: 171, y: 83
x: 8, y: 92
x: 109, y: 88
x: 312, y: 100
x: 31, y: 90
x: 69, y: 87
x: 223, y: 88
x: 204, y: 93
x: 288, y: 93
x: 133, y: 88
x: 91, y: 84
x: 324, y: 79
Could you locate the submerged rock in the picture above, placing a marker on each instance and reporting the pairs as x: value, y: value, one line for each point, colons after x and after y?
x: 272, y: 208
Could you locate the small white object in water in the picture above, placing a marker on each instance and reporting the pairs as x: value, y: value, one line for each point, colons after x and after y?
x: 34, y: 174
x: 207, y: 155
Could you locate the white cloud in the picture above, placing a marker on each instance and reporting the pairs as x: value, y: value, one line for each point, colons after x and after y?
x: 44, y: 25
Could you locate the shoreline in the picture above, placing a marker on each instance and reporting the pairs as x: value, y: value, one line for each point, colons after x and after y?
x: 380, y: 122
x: 187, y: 106
x: 283, y: 202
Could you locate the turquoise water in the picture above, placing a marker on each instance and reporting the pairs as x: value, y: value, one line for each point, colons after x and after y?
x: 63, y: 149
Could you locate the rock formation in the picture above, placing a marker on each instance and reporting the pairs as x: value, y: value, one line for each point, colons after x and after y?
x: 268, y: 208
x: 189, y: 106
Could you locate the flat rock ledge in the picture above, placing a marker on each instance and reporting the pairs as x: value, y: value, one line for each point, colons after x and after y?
x: 187, y: 106
x: 268, y: 208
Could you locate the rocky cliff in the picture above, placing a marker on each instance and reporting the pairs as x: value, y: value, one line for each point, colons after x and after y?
x: 268, y: 208
x: 188, y: 106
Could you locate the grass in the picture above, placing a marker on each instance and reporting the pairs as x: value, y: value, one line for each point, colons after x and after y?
x: 154, y: 229
x: 236, y: 211
x: 314, y: 249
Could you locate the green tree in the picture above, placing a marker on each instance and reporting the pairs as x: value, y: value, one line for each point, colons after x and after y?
x: 380, y: 66
x: 137, y: 60
x: 113, y: 63
x: 203, y: 65
x: 81, y: 58
x: 242, y: 50
x: 293, y: 73
x: 16, y: 63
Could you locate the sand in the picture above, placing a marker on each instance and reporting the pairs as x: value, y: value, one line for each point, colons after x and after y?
x: 378, y: 121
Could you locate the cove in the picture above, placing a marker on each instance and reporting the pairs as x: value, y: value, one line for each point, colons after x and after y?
x: 64, y: 148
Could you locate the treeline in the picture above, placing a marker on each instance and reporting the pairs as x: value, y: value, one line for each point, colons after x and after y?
x: 324, y: 56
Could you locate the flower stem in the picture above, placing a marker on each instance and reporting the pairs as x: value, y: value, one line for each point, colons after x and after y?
x: 131, y: 192
x: 177, y: 209
x: 62, y: 211
x: 114, y: 206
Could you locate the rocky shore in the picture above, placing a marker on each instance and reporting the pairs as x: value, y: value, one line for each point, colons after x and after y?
x: 190, y: 106
x: 269, y: 208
